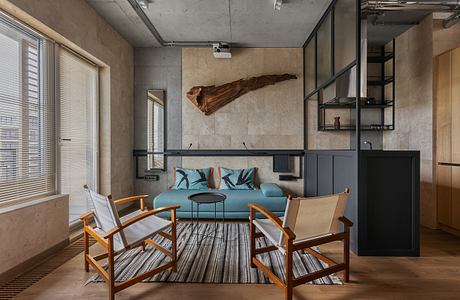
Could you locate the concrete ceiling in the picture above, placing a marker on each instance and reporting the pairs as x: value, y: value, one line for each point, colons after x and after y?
x: 246, y: 23
x: 385, y: 27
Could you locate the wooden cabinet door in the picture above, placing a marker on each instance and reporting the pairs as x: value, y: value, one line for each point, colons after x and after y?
x: 455, y: 104
x: 444, y: 109
x: 444, y: 191
x: 455, y: 205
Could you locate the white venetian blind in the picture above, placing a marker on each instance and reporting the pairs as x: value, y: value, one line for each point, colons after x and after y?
x: 78, y: 97
x: 26, y: 115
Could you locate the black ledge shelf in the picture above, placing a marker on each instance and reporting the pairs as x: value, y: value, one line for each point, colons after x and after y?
x: 223, y: 152
x: 334, y: 105
x: 372, y: 81
x: 380, y: 59
x: 353, y: 128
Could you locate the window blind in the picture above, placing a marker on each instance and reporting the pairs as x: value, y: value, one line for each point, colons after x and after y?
x: 78, y: 98
x: 26, y: 115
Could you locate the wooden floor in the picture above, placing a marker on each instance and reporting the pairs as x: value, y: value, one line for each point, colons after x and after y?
x: 434, y: 275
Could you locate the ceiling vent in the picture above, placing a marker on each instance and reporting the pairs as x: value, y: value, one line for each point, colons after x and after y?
x: 221, y: 50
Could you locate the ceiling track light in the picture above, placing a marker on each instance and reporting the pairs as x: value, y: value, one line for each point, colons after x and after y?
x: 277, y: 4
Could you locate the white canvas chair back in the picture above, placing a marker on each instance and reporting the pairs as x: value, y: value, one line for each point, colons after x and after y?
x: 314, y: 216
x: 105, y: 214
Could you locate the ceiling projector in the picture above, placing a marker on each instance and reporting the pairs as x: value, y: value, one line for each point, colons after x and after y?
x: 221, y: 50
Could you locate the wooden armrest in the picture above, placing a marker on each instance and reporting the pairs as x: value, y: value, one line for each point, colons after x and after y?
x: 138, y: 218
x: 272, y: 217
x: 86, y: 215
x: 346, y: 221
x: 132, y: 198
x: 165, y: 208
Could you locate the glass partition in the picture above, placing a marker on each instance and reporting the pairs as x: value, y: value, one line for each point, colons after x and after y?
x: 310, y: 67
x: 345, y: 33
x: 324, y: 48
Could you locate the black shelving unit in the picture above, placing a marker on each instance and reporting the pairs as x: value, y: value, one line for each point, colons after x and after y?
x: 380, y: 84
x: 382, y: 81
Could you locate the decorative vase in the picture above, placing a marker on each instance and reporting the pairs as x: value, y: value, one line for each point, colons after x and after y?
x: 336, y: 122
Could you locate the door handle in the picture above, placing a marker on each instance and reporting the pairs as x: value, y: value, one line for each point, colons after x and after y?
x: 64, y: 140
x: 449, y: 164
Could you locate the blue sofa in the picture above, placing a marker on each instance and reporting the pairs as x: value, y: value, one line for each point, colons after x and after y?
x: 236, y: 205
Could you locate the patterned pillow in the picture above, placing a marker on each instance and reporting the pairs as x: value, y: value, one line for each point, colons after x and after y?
x: 191, y: 179
x: 241, y: 179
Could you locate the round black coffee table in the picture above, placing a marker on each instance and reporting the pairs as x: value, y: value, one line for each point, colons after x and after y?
x: 203, y: 198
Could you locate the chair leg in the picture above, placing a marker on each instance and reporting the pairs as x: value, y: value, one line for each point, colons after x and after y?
x: 111, y: 270
x: 86, y: 247
x: 252, y: 244
x: 289, y: 275
x: 346, y: 254
x: 288, y: 293
x: 174, y: 240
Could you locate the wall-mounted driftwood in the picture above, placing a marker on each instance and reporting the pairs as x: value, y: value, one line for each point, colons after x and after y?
x: 208, y: 99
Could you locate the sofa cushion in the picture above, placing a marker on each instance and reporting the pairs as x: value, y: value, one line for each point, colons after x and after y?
x: 237, y: 200
x: 240, y: 179
x: 271, y: 190
x: 191, y: 179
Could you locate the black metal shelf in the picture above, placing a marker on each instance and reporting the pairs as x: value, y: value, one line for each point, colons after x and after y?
x: 377, y: 81
x: 351, y: 105
x: 378, y: 59
x: 376, y: 127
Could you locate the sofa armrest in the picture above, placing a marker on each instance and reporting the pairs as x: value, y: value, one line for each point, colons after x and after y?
x: 271, y: 190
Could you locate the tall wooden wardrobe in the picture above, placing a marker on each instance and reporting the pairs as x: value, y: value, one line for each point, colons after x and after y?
x: 448, y: 140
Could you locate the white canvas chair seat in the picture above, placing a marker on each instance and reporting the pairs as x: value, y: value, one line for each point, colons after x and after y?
x: 117, y: 234
x: 273, y: 233
x: 139, y: 231
x: 107, y: 218
x: 308, y: 218
x: 144, y: 229
x: 307, y: 223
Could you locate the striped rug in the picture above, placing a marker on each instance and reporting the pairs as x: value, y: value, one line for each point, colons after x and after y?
x: 221, y: 257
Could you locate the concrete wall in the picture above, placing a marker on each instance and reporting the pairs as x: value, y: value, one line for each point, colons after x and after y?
x: 157, y: 68
x: 269, y: 118
x: 414, y: 108
x: 31, y: 230
x: 445, y: 39
x: 75, y: 24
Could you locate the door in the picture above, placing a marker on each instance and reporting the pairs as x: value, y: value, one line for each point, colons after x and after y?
x: 455, y: 142
x: 77, y: 138
x: 444, y: 139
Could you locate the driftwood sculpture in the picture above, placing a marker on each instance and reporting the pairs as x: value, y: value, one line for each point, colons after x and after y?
x: 208, y: 99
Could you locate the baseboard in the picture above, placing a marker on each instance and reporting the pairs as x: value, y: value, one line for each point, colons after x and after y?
x: 31, y: 262
x: 450, y: 230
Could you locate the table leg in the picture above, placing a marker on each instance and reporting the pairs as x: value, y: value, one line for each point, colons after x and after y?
x: 215, y: 219
x: 191, y: 209
x: 198, y: 241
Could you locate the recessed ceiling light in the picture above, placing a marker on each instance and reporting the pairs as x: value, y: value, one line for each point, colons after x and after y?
x: 277, y: 4
x: 143, y: 3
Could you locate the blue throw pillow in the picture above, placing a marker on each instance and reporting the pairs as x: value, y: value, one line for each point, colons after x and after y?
x: 191, y: 179
x: 241, y: 179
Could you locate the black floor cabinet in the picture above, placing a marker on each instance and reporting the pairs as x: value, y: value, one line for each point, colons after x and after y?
x: 384, y: 200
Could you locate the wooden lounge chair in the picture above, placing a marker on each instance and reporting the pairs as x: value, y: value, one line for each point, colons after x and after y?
x: 117, y: 234
x: 307, y: 222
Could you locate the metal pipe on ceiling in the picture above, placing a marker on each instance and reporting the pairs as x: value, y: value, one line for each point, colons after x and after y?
x: 451, y: 21
x: 453, y: 5
x: 140, y: 12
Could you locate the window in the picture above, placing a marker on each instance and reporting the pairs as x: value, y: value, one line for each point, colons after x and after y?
x: 26, y: 115
x: 78, y: 139
x: 155, y: 129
